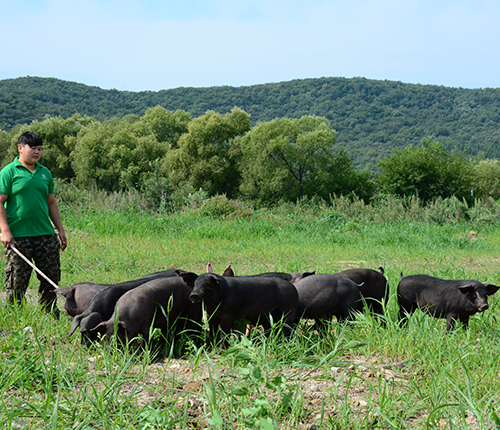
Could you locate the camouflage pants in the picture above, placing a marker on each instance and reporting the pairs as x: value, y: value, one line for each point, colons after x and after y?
x: 44, y: 252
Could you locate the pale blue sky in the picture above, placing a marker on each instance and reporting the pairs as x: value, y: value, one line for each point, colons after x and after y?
x: 140, y: 45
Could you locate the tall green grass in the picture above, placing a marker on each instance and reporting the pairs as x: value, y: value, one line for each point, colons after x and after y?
x: 357, y: 375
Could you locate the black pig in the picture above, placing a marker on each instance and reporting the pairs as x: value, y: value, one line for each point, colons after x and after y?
x: 453, y: 299
x: 103, y: 304
x: 292, y: 277
x: 161, y: 303
x: 252, y: 298
x: 373, y: 287
x: 79, y: 296
x: 323, y: 296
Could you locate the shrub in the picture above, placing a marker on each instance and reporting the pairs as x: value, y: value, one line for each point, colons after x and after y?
x: 450, y: 210
x: 427, y: 171
x: 487, y: 179
x: 484, y: 211
x: 221, y: 207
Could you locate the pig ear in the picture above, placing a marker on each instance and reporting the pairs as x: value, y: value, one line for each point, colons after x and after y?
x: 100, y: 328
x: 75, y: 324
x: 189, y: 278
x: 491, y: 289
x: 298, y: 276
x: 90, y: 321
x: 68, y: 292
x: 122, y: 325
x: 210, y: 269
x: 228, y: 271
x: 466, y: 289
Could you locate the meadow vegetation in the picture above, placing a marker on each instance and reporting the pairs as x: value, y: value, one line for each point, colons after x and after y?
x: 358, y: 375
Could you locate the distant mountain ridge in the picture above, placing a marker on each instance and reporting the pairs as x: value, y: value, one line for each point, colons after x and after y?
x: 371, y: 117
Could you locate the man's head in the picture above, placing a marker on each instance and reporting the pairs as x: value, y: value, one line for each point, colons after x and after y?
x: 29, y: 146
x: 31, y: 139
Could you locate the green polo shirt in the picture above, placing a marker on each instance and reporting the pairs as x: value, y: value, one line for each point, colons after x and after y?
x: 27, y: 199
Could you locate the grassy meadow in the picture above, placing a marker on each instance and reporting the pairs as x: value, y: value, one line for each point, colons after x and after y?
x: 359, y: 375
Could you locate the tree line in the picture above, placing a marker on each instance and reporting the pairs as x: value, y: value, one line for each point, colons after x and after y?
x: 371, y: 117
x: 163, y: 152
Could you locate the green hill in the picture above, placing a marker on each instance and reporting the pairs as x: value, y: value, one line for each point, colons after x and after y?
x: 371, y: 117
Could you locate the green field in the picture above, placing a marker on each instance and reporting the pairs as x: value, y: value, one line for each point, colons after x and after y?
x: 360, y: 375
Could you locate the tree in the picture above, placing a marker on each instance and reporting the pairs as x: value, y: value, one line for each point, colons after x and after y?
x: 290, y: 158
x: 116, y: 154
x: 165, y: 125
x: 203, y: 158
x: 486, y: 180
x: 427, y: 171
x: 343, y: 179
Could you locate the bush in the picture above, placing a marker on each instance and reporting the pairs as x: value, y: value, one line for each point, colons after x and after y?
x: 487, y: 179
x: 427, y: 171
x: 485, y: 211
x: 447, y: 211
x: 157, y: 190
x: 221, y: 207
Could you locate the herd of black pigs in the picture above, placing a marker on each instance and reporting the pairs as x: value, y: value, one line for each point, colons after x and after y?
x: 175, y: 300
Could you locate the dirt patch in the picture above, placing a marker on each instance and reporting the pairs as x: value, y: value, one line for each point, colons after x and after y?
x: 326, y: 392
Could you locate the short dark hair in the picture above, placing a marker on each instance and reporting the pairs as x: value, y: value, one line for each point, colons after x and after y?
x: 30, y: 138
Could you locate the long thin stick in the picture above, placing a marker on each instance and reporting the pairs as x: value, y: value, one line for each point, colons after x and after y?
x: 32, y: 265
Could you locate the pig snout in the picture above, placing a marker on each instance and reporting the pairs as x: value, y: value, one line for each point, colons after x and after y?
x: 481, y: 303
x: 483, y: 307
x: 195, y: 298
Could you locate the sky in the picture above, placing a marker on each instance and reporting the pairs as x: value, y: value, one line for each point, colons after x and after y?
x: 139, y: 45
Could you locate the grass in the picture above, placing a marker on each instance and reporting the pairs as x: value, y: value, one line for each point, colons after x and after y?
x: 358, y: 375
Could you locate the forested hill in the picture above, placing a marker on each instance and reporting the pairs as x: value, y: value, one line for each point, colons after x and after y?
x: 371, y: 117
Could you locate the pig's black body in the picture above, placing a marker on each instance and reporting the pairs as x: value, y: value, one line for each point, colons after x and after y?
x: 323, y: 296
x: 291, y: 277
x: 254, y: 298
x: 373, y: 288
x: 79, y: 296
x: 160, y: 303
x: 453, y: 299
x: 103, y: 303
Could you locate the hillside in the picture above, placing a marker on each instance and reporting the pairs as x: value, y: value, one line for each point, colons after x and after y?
x: 371, y: 117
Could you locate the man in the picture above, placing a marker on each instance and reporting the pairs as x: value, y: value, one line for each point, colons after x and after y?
x: 27, y: 207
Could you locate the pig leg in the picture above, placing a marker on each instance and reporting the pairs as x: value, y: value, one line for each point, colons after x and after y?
x: 465, y: 322
x: 226, y: 324
x: 406, y: 308
x: 346, y: 313
x: 450, y: 321
x: 213, y: 328
x: 277, y: 316
x: 289, y: 322
x: 320, y: 325
x: 452, y: 318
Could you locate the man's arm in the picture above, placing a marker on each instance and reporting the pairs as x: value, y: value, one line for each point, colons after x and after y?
x: 56, y: 220
x: 7, y: 238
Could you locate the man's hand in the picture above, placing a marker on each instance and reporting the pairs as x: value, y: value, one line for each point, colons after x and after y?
x: 63, y: 240
x: 7, y: 239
